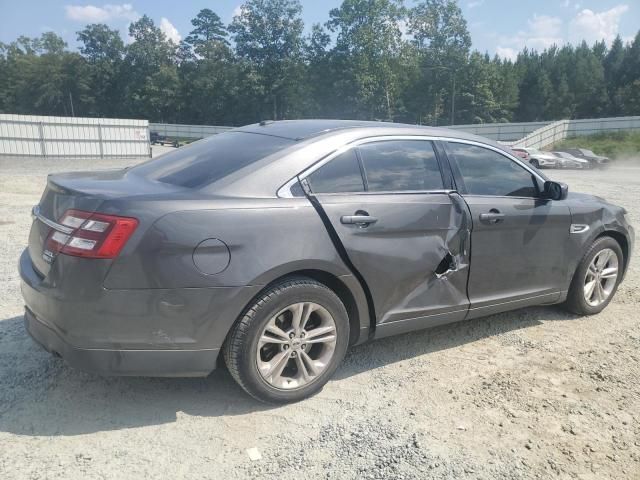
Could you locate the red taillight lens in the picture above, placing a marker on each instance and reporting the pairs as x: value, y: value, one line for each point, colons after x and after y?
x: 95, y: 235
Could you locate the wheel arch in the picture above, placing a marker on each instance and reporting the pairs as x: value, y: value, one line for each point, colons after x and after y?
x: 344, y: 286
x: 622, y: 241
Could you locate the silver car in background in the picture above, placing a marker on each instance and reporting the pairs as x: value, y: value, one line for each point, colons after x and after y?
x: 566, y: 160
x: 540, y: 159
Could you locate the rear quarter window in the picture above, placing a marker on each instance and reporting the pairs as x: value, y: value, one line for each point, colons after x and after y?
x: 212, y: 159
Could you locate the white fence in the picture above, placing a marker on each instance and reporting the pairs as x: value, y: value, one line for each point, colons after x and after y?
x: 557, y: 131
x: 501, y: 131
x: 186, y: 131
x: 31, y: 135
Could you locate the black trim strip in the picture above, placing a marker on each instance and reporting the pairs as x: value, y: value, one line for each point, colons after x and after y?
x: 335, y: 239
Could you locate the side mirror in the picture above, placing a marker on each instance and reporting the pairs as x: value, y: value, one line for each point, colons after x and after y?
x: 555, y: 190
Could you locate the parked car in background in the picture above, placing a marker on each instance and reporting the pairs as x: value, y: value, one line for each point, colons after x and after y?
x: 540, y: 159
x: 278, y: 245
x: 156, y: 139
x: 596, y: 161
x: 566, y: 160
x: 520, y: 152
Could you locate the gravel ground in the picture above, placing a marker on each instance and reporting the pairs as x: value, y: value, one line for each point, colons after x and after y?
x: 535, y: 393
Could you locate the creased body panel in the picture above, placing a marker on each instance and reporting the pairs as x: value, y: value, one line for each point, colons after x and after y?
x: 414, y: 257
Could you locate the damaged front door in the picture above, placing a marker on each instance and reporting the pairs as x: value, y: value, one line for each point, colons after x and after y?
x: 401, y: 229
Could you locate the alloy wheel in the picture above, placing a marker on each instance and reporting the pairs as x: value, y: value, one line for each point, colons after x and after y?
x: 296, y: 345
x: 601, y: 277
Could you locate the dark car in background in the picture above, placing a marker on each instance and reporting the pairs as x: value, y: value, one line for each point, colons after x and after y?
x: 596, y: 161
x: 276, y: 246
x: 156, y: 139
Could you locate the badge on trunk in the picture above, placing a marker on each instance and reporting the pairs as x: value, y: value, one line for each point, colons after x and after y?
x: 47, y: 256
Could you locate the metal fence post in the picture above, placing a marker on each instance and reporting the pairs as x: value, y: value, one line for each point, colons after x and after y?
x: 100, y: 140
x: 43, y: 148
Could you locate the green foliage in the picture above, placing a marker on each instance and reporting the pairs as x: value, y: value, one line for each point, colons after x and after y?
x: 268, y: 34
x: 368, y: 45
x: 617, y: 145
x: 372, y: 59
x: 208, y: 31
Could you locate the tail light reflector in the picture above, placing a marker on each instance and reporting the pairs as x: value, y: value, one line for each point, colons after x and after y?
x: 95, y: 235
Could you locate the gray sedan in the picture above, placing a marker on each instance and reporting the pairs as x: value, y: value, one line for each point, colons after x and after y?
x: 274, y: 247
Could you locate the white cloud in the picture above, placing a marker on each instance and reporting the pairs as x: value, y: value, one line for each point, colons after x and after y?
x: 93, y: 14
x: 474, y: 3
x: 592, y: 26
x: 507, y: 53
x: 237, y: 11
x: 170, y: 30
x: 542, y: 32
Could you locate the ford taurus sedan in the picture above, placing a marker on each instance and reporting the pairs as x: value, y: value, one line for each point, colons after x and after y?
x: 276, y: 246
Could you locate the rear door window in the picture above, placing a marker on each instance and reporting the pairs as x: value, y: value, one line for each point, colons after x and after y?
x: 400, y: 165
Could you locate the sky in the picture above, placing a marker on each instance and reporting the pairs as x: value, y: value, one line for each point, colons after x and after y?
x: 500, y: 27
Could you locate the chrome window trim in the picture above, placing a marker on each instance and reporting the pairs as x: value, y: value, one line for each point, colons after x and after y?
x: 35, y: 212
x: 285, y: 190
x: 513, y: 158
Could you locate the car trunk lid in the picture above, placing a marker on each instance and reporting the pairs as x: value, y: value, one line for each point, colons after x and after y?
x: 83, y: 191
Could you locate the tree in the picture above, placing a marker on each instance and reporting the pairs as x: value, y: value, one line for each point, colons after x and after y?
x: 442, y: 40
x: 372, y: 59
x: 151, y: 70
x: 103, y: 49
x: 268, y: 33
x: 368, y: 47
x: 613, y: 64
x: 208, y: 32
x: 535, y: 89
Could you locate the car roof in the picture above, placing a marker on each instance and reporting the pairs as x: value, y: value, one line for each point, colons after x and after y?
x: 298, y: 130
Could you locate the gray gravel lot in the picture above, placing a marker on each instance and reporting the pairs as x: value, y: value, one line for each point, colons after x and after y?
x: 535, y: 393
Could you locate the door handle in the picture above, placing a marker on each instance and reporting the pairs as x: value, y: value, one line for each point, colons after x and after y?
x: 360, y: 220
x: 494, y: 216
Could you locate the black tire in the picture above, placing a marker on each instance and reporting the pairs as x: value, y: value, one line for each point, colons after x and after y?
x: 240, y: 348
x: 576, y: 302
x: 535, y: 163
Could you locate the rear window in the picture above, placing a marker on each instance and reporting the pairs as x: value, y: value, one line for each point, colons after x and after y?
x: 209, y: 160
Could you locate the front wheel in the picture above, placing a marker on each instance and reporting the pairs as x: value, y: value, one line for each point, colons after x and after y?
x: 597, y: 277
x: 535, y: 163
x: 289, y: 342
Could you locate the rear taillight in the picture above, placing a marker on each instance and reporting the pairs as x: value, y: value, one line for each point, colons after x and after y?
x: 95, y: 235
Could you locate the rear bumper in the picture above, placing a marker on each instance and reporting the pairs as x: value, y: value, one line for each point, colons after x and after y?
x: 146, y: 332
x: 164, y: 363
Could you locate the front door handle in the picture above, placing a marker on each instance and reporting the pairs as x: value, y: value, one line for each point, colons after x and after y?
x: 360, y: 220
x: 494, y: 216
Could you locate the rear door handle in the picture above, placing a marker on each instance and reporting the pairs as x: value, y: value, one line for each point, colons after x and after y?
x: 494, y: 216
x: 360, y: 220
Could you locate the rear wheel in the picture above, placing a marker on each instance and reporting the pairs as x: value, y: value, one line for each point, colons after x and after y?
x: 289, y: 342
x: 596, y: 278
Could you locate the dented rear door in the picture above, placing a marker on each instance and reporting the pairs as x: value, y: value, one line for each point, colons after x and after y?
x: 410, y: 247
